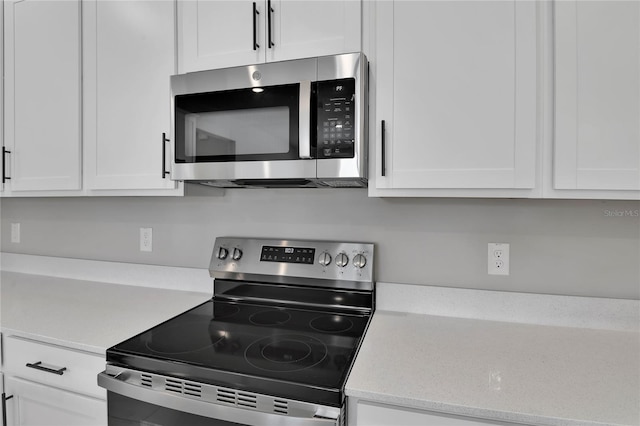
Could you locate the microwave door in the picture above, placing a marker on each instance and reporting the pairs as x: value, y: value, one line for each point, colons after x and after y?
x: 246, y: 134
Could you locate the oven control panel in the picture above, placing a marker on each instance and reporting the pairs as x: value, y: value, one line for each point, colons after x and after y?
x: 319, y: 263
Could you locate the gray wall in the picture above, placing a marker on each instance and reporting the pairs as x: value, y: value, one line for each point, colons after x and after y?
x: 577, y: 247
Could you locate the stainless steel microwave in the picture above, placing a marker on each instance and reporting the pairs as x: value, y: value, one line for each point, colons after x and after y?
x: 299, y: 123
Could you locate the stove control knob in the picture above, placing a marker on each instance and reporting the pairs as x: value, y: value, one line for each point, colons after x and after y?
x: 222, y: 253
x: 324, y: 259
x: 237, y: 254
x: 359, y: 261
x: 342, y: 260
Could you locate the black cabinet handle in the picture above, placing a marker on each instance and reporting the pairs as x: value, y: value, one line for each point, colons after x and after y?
x: 269, y: 11
x: 383, y: 148
x: 5, y: 151
x: 256, y: 46
x: 164, y: 155
x: 38, y: 366
x: 4, y: 408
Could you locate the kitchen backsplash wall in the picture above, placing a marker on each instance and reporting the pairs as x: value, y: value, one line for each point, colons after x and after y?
x: 572, y: 247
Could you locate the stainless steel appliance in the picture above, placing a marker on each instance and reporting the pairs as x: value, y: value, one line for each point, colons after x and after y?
x: 274, y: 345
x: 299, y: 123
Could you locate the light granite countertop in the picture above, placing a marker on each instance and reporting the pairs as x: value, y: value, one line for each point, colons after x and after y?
x: 85, y: 315
x: 501, y: 370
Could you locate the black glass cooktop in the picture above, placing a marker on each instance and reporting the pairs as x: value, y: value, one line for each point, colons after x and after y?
x: 286, y: 352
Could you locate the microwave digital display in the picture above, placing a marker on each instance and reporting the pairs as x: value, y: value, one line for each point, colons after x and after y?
x: 287, y: 254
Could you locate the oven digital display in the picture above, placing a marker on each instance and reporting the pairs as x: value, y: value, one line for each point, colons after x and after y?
x: 287, y: 254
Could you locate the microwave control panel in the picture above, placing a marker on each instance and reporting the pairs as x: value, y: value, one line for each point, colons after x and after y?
x: 336, y: 118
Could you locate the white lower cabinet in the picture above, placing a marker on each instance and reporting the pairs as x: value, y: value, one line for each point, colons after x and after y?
x: 52, y: 385
x: 373, y: 414
x: 34, y: 404
x: 2, y: 395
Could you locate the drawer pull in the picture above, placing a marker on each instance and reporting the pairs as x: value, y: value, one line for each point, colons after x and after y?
x: 38, y: 366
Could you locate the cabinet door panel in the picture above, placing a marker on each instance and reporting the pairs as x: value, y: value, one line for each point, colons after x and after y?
x: 371, y: 414
x: 459, y: 96
x: 129, y: 56
x: 42, y: 88
x: 219, y: 34
x: 302, y: 29
x: 36, y: 405
x: 597, y: 70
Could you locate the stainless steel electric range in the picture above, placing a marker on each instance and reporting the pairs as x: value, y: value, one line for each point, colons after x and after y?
x: 274, y: 345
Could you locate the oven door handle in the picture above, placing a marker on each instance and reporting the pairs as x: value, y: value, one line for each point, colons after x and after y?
x: 212, y: 410
x: 304, y: 120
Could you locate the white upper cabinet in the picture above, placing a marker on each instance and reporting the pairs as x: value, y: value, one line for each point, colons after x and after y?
x: 219, y: 34
x: 597, y: 98
x: 456, y: 96
x: 42, y: 94
x: 129, y: 54
x: 313, y: 28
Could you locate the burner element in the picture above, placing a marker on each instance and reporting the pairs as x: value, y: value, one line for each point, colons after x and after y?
x: 286, y: 353
x: 331, y: 324
x: 270, y: 317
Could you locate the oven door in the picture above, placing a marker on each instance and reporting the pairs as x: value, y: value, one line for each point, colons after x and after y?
x: 133, y: 404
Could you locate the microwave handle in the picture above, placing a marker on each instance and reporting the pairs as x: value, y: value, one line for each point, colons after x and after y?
x: 304, y: 120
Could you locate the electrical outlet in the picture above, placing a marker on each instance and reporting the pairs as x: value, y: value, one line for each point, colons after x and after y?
x: 498, y: 259
x: 15, y: 233
x: 146, y: 239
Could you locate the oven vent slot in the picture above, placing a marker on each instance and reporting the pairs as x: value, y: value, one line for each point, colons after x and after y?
x: 146, y: 380
x: 247, y: 400
x: 280, y: 406
x: 241, y: 399
x: 185, y: 388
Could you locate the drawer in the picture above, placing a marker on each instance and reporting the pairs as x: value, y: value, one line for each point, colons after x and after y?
x: 53, y: 365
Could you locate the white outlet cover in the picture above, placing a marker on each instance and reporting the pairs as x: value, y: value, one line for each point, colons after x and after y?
x: 146, y: 239
x: 498, y: 259
x: 15, y: 232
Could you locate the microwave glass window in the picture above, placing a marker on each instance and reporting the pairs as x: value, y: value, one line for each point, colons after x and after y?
x: 235, y: 125
x: 238, y: 132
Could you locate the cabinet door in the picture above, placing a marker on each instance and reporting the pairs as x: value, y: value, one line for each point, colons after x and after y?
x: 219, y: 34
x: 36, y: 405
x: 129, y: 54
x: 380, y: 415
x: 302, y: 29
x: 2, y: 395
x: 597, y: 95
x: 456, y: 87
x: 42, y: 94
x: 2, y: 160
